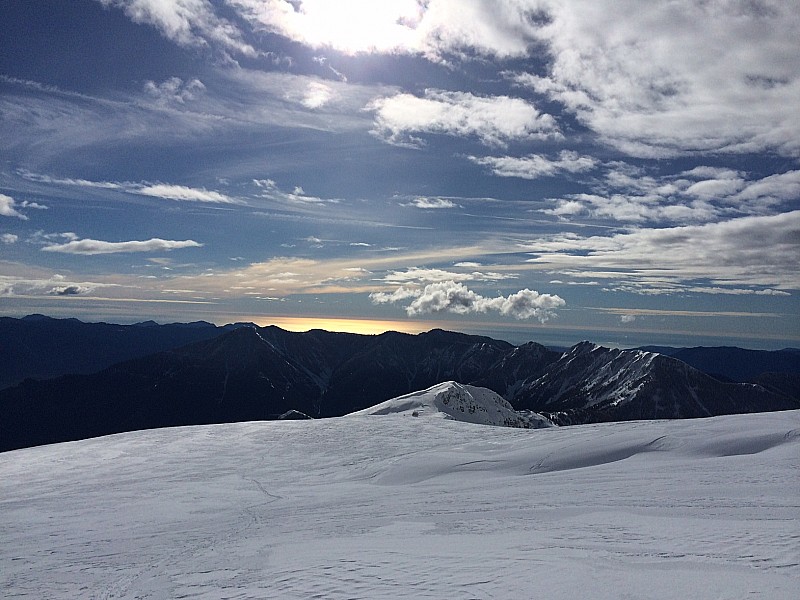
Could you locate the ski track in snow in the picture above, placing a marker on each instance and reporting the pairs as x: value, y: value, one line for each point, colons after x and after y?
x: 400, y: 507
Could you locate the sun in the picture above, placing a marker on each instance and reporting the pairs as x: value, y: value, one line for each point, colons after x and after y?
x: 355, y: 26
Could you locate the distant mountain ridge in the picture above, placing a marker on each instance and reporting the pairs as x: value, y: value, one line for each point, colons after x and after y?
x: 245, y: 372
x: 734, y: 364
x: 41, y: 347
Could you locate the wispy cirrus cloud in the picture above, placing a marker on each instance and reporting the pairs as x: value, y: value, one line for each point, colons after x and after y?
x: 167, y: 191
x: 753, y: 255
x: 91, y: 247
x: 182, y: 193
x: 494, y: 120
x: 534, y: 166
x: 419, y: 275
x: 431, y: 203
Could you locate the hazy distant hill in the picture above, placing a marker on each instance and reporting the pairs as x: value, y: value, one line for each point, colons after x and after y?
x: 255, y: 373
x: 735, y: 364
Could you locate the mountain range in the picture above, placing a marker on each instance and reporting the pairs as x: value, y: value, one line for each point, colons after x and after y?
x: 242, y: 372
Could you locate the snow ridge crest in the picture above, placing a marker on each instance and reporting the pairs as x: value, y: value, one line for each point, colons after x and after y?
x: 459, y: 402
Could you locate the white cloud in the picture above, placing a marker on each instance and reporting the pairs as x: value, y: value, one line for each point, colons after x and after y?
x: 701, y: 195
x: 494, y: 120
x: 91, y: 247
x: 431, y: 203
x: 535, y: 166
x: 317, y: 95
x: 185, y: 22
x: 419, y: 275
x: 183, y: 193
x: 7, y: 209
x: 455, y: 297
x: 69, y: 290
x: 753, y: 254
x: 270, y: 190
x: 664, y: 78
x: 174, y: 89
x: 9, y: 238
x: 433, y: 28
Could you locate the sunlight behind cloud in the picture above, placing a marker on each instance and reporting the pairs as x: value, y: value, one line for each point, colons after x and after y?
x: 350, y: 26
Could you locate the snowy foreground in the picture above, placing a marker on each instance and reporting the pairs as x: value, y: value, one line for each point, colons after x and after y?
x: 396, y: 506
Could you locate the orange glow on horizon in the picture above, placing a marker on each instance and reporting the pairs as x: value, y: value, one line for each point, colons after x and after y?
x: 361, y: 326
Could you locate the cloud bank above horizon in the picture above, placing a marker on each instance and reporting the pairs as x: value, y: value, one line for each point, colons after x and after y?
x: 525, y: 161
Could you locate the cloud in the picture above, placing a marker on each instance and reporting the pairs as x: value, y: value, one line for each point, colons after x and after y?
x: 269, y: 189
x: 166, y: 191
x: 754, y: 254
x: 317, y: 95
x: 91, y: 247
x: 455, y: 297
x: 9, y: 238
x: 174, y: 90
x: 669, y: 78
x: 433, y: 28
x: 418, y: 276
x: 183, y: 193
x: 627, y: 318
x: 494, y: 120
x: 190, y: 23
x: 702, y: 194
x: 7, y: 209
x: 535, y: 166
x: 70, y: 290
x: 431, y: 203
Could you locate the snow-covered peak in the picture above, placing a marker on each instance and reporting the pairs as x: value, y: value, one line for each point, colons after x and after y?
x: 451, y: 400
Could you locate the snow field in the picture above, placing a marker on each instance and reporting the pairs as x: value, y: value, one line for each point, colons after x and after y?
x: 401, y: 507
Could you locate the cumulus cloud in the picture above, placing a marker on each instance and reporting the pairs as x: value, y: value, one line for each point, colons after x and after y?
x: 7, y: 208
x: 535, y: 166
x: 665, y: 78
x: 495, y: 120
x: 190, y: 23
x: 9, y: 238
x: 174, y: 90
x: 701, y: 194
x: 455, y: 297
x: 91, y: 247
x: 70, y: 290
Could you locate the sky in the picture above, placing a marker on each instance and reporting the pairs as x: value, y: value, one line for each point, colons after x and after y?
x: 620, y: 171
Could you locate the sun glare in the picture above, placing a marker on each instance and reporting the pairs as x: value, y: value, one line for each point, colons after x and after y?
x: 354, y: 26
x: 362, y: 326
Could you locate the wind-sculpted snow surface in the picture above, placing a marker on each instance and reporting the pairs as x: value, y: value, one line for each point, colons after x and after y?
x: 468, y: 403
x: 399, y: 507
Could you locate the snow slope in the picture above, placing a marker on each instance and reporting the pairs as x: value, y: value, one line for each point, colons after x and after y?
x: 467, y: 403
x: 397, y: 507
